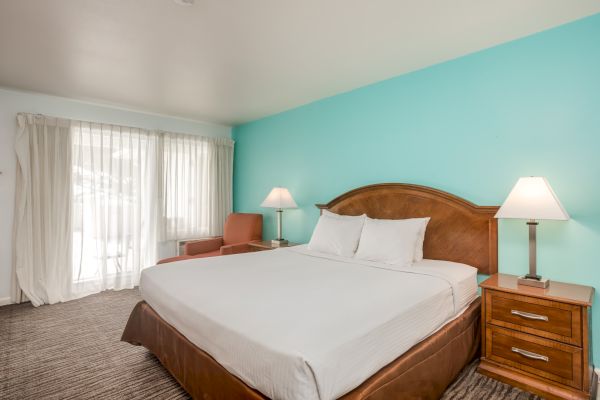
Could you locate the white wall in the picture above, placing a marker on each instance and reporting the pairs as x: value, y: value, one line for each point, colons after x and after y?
x: 12, y: 102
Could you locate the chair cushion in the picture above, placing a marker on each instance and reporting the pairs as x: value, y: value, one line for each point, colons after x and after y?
x: 195, y: 247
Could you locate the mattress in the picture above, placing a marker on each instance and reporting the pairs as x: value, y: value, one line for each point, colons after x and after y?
x: 294, y: 324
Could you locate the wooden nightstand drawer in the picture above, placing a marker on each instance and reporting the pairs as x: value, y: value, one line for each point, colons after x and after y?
x: 538, y: 339
x: 545, y: 318
x: 541, y: 357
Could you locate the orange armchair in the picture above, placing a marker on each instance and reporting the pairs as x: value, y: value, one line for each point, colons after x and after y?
x: 238, y: 231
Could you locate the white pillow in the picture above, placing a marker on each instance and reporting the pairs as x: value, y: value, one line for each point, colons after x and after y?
x: 421, y: 239
x: 390, y: 241
x: 337, y: 234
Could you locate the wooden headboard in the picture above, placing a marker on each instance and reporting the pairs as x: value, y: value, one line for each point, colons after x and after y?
x: 458, y: 231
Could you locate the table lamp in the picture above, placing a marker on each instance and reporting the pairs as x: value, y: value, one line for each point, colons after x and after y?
x: 532, y: 199
x: 279, y: 198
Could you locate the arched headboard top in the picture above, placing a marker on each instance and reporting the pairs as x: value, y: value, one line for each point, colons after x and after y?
x: 458, y: 231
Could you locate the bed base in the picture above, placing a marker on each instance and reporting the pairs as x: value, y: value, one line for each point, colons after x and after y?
x: 424, y: 372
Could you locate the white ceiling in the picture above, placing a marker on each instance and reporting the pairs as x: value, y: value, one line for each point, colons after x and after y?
x: 231, y: 61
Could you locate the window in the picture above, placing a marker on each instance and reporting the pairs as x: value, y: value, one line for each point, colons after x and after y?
x: 133, y: 188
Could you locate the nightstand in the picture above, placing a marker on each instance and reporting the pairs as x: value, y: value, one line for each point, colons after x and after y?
x: 261, y: 245
x: 538, y: 339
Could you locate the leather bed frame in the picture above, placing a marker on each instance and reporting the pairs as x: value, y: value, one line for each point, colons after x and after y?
x: 458, y: 231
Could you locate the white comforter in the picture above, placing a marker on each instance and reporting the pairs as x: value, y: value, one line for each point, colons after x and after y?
x: 300, y: 325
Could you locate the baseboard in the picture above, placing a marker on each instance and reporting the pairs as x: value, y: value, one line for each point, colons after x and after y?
x: 4, y: 301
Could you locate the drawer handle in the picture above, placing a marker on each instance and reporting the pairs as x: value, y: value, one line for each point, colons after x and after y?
x: 527, y: 315
x: 530, y: 354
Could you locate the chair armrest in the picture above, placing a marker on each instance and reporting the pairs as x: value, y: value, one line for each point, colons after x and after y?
x: 203, y: 246
x: 235, y: 248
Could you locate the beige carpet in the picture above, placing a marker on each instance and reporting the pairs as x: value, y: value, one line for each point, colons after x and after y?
x: 72, y: 351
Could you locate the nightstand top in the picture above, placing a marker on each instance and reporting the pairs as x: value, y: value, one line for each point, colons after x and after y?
x: 558, y: 291
x: 266, y: 244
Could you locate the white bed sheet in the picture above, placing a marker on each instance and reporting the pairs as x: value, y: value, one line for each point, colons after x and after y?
x: 295, y: 324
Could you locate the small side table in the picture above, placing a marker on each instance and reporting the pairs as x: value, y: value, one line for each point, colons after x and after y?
x: 538, y: 339
x: 262, y: 245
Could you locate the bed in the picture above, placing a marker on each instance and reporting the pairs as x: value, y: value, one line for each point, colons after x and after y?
x: 295, y: 324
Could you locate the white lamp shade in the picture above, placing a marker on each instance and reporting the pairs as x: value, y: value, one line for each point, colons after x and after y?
x: 279, y: 198
x: 532, y: 198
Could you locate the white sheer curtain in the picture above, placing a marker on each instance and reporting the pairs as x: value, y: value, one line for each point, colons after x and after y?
x: 114, y: 206
x: 42, y: 221
x: 90, y: 198
x: 196, y: 180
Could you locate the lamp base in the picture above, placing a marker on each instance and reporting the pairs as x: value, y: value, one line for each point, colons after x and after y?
x: 279, y: 242
x: 535, y: 281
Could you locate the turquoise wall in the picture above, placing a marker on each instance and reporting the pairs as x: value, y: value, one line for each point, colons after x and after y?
x: 471, y: 127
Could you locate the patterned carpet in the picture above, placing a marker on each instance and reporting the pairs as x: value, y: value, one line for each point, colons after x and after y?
x: 73, y: 351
